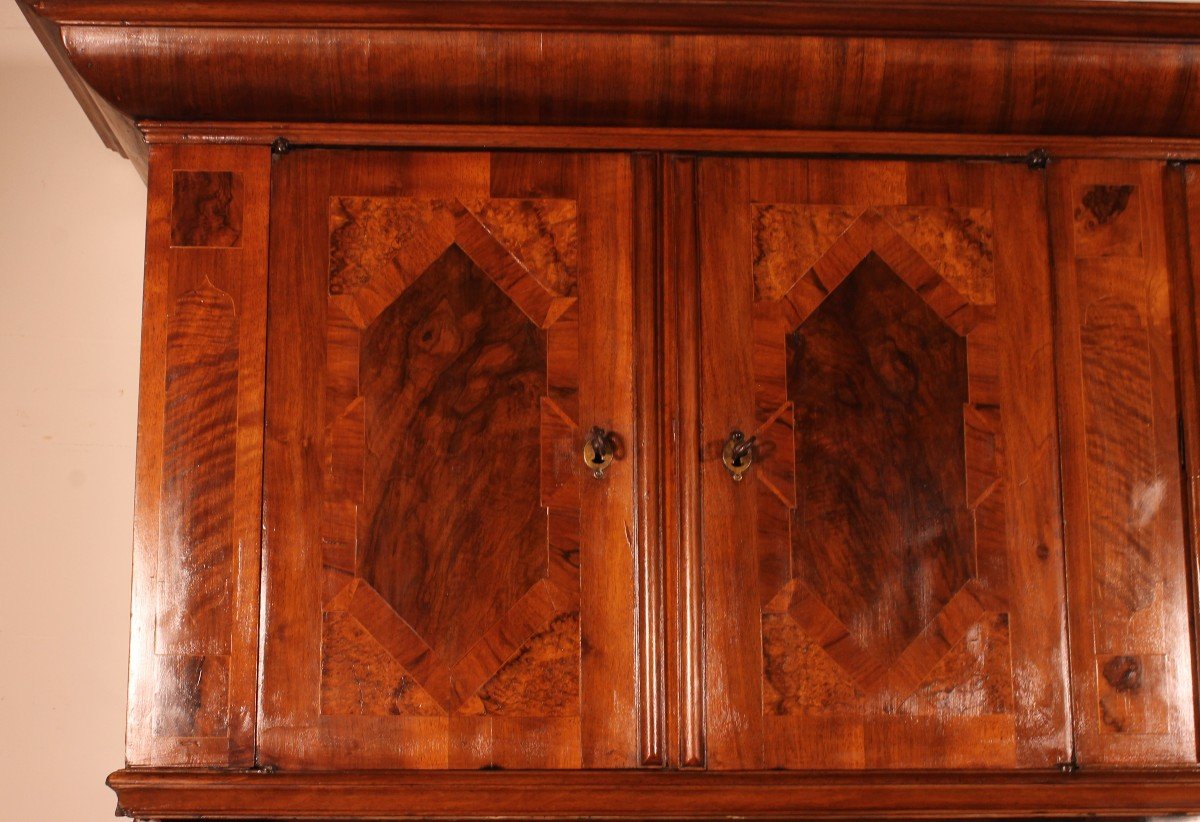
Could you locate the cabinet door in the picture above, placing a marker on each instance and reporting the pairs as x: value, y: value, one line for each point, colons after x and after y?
x: 446, y: 584
x: 884, y: 587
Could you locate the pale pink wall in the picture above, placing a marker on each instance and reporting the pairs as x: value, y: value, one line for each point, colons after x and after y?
x: 71, y: 237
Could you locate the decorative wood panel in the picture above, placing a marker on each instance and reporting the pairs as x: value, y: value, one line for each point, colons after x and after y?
x: 194, y: 649
x: 469, y: 605
x: 887, y: 591
x: 207, y: 209
x: 1132, y: 646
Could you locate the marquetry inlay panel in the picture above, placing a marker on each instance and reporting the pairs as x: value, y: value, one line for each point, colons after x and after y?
x: 890, y: 566
x: 451, y: 544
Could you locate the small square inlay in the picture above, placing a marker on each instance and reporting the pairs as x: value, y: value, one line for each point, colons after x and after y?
x: 207, y: 209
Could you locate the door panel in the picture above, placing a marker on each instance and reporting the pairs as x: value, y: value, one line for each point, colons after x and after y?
x: 449, y: 587
x: 884, y: 589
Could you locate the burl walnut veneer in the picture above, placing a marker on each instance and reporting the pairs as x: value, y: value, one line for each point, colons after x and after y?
x: 660, y: 408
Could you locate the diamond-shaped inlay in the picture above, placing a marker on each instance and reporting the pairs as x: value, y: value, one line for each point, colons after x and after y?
x: 452, y: 529
x: 881, y: 531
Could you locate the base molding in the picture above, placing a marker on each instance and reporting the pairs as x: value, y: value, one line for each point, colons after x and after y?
x: 188, y: 794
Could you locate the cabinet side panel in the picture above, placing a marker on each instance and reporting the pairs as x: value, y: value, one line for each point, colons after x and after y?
x: 1131, y: 640
x: 194, y: 647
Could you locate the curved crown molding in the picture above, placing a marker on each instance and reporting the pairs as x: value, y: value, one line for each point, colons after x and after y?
x: 1067, y: 67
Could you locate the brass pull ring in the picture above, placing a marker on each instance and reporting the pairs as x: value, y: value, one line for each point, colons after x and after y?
x: 738, y: 454
x: 599, y: 451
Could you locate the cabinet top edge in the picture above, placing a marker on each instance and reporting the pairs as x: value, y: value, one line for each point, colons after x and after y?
x: 1023, y: 19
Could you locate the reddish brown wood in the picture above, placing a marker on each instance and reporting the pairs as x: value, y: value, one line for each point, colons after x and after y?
x: 476, y: 316
x: 652, y: 795
x: 1131, y: 641
x: 957, y: 67
x: 1181, y: 190
x: 732, y: 679
x: 651, y: 451
x: 877, y: 621
x: 681, y: 433
x: 756, y: 141
x: 1058, y: 19
x: 601, y: 78
x: 194, y: 647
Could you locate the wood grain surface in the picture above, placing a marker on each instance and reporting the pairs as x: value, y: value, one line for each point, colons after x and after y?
x: 904, y: 488
x: 467, y: 318
x: 652, y: 794
x: 193, y: 650
x: 1132, y: 645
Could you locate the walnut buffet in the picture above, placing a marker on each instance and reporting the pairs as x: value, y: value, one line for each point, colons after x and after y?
x: 659, y: 409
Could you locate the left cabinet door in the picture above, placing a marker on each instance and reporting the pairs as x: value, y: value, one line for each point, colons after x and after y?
x: 447, y: 585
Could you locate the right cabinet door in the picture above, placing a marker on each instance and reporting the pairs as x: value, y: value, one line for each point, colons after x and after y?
x: 884, y: 587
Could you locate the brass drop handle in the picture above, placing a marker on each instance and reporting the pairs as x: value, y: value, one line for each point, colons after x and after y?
x: 738, y: 454
x: 599, y: 451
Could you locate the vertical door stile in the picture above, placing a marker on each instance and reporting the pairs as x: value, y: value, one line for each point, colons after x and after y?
x: 681, y: 411
x: 646, y: 218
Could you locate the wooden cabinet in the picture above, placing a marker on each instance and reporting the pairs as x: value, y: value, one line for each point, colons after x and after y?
x: 660, y: 410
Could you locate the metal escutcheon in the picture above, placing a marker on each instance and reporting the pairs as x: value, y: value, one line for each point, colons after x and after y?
x: 598, y: 451
x: 738, y: 454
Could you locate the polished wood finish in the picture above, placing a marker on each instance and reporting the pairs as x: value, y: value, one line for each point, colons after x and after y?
x: 1132, y: 645
x: 758, y: 141
x: 444, y: 329
x: 194, y: 647
x: 961, y: 575
x: 1059, y: 19
x: 549, y: 77
x: 901, y: 604
x: 1181, y: 200
x: 977, y: 68
x: 165, y: 794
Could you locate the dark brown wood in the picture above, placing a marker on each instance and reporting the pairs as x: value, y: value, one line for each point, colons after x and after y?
x: 869, y: 602
x: 1132, y: 645
x: 194, y: 646
x: 426, y: 444
x: 163, y: 794
x: 876, y: 381
x: 464, y: 319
